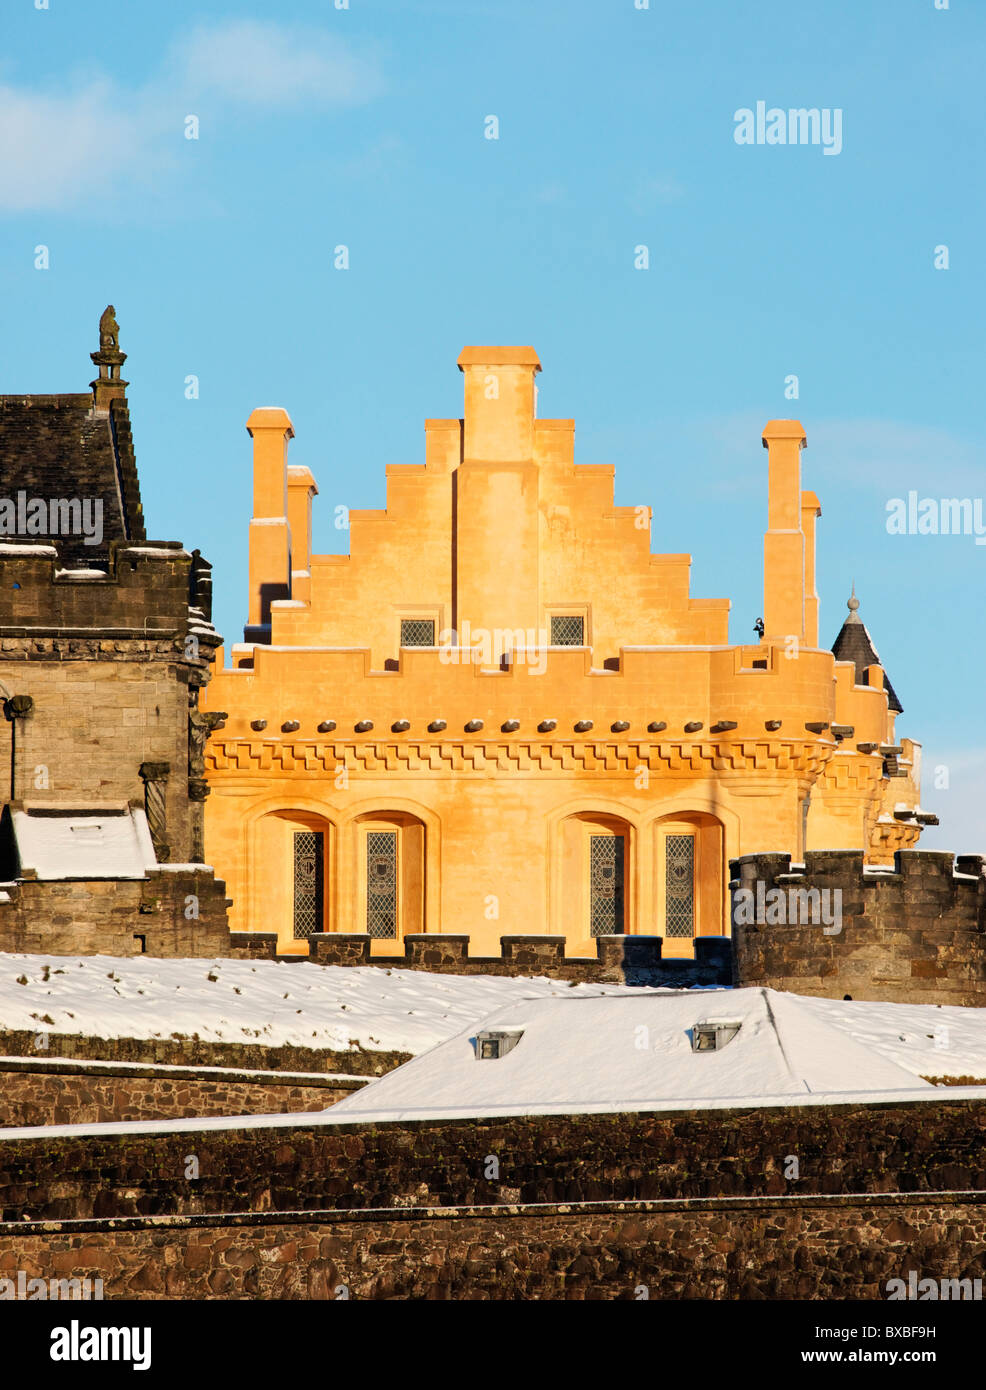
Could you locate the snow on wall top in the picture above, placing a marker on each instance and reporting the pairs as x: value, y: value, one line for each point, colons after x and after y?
x: 84, y: 844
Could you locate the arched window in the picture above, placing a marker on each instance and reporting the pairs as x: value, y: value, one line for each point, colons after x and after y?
x: 382, y: 896
x: 594, y: 877
x: 679, y: 884
x: 292, y: 876
x: 390, y: 861
x: 688, y: 879
x: 607, y: 860
x: 309, y: 880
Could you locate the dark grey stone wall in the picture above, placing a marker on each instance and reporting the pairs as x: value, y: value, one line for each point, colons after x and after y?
x: 914, y: 935
x: 777, y: 1248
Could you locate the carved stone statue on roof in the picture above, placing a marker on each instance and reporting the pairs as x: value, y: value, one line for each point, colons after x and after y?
x: 109, y: 329
x: 109, y: 386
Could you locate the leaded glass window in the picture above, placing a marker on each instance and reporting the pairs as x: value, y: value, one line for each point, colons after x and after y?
x: 308, y: 869
x: 381, y: 883
x: 605, y: 884
x: 567, y: 631
x: 679, y: 882
x: 417, y: 632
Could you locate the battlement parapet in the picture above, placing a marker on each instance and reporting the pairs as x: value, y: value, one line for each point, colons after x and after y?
x: 143, y: 588
x: 174, y: 910
x: 834, y: 926
x: 619, y: 959
x: 150, y: 596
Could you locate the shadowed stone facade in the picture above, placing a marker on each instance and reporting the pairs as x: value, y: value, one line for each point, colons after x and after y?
x: 913, y: 934
x: 843, y: 1249
x: 915, y: 1147
x: 106, y: 642
x: 405, y: 1211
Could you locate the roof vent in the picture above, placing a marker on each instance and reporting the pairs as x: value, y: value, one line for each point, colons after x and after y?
x: 492, y: 1043
x: 713, y: 1034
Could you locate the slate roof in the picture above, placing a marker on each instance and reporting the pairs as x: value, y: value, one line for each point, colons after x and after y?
x: 58, y: 447
x: 855, y: 644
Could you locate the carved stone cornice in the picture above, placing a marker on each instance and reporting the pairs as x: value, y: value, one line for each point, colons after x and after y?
x: 859, y: 775
x: 886, y: 837
x: 802, y: 758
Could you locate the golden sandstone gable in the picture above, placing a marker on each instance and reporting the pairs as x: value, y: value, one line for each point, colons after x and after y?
x: 502, y: 714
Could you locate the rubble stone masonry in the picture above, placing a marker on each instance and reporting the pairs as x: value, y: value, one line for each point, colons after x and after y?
x: 911, y: 1147
x: 913, y: 934
x: 803, y: 1248
x: 180, y: 1051
x: 170, y: 912
x: 625, y: 1207
x: 33, y: 1092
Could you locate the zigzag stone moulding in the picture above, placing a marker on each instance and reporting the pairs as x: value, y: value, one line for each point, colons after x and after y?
x: 806, y: 758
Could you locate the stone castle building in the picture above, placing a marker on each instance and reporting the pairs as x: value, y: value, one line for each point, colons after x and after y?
x: 501, y: 713
x: 105, y: 645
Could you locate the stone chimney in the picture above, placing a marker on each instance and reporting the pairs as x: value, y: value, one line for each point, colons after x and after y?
x: 499, y: 405
x: 270, y: 534
x: 301, y: 489
x: 784, y: 543
x: 496, y: 537
x: 811, y: 510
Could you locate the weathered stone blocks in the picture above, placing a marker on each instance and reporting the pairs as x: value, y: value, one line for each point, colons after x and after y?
x: 916, y: 934
x: 35, y: 1092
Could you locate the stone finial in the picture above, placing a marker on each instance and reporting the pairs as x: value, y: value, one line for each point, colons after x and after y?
x: 109, y: 385
x: 852, y: 603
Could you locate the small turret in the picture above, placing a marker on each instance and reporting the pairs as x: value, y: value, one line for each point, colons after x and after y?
x: 855, y: 644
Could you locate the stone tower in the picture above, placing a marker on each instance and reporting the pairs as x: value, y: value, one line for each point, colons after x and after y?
x: 106, y: 642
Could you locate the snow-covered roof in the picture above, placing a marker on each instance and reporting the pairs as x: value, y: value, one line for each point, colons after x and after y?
x: 632, y: 1052
x: 110, y: 842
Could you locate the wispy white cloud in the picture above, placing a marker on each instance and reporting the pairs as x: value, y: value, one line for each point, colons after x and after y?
x: 377, y: 159
x: 268, y: 64
x: 72, y: 146
x: 59, y: 148
x: 892, y: 455
x: 883, y: 456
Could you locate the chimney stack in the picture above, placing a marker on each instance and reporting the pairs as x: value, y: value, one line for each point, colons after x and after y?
x: 270, y: 535
x: 499, y: 407
x: 784, y: 557
x: 496, y: 539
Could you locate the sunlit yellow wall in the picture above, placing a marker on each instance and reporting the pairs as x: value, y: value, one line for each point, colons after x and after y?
x: 494, y: 534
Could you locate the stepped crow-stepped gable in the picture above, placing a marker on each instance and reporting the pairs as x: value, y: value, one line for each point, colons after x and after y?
x: 105, y: 644
x: 501, y: 714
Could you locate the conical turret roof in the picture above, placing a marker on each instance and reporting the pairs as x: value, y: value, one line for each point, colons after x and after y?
x: 855, y: 644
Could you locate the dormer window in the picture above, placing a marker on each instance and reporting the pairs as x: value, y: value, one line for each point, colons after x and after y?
x: 712, y: 1034
x: 567, y: 630
x: 493, y: 1043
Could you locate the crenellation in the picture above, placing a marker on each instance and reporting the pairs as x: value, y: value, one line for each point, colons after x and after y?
x: 915, y: 933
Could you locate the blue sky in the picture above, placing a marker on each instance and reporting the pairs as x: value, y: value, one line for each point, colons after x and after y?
x: 365, y: 127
